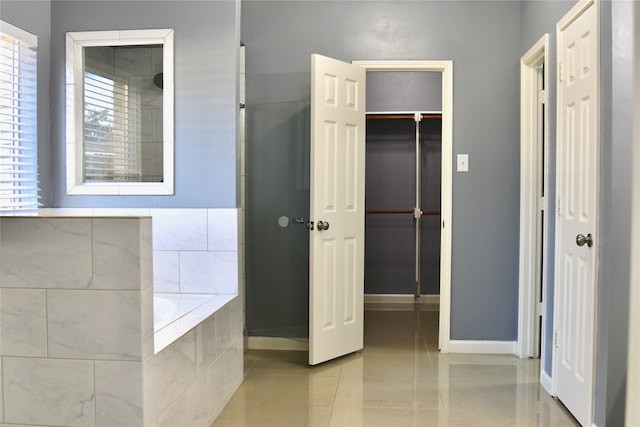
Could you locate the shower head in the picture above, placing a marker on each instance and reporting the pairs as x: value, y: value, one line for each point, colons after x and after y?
x: 158, y: 80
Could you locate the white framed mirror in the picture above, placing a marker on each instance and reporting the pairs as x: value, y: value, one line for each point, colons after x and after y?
x: 120, y: 105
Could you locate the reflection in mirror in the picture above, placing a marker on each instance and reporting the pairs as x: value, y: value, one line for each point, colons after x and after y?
x: 120, y: 132
x: 122, y: 110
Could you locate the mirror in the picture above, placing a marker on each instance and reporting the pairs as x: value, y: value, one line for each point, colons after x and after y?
x: 120, y: 112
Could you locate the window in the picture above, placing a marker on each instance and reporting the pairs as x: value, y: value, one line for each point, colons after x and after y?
x: 18, y: 124
x: 120, y: 112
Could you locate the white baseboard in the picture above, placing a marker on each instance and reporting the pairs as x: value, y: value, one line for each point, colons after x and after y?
x: 400, y: 299
x: 482, y: 347
x: 276, y: 343
x: 545, y: 381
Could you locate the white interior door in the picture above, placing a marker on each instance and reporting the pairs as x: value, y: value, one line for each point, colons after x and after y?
x: 577, y: 205
x: 336, y: 264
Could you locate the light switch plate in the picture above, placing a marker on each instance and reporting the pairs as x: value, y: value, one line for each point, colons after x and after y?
x: 463, y: 163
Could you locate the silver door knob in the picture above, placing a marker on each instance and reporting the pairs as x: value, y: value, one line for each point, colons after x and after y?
x: 323, y: 225
x: 581, y: 240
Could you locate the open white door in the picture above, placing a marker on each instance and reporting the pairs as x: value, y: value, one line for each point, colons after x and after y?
x: 577, y: 208
x: 336, y: 264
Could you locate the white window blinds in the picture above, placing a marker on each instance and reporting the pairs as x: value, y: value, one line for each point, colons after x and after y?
x: 18, y: 139
x: 111, y: 129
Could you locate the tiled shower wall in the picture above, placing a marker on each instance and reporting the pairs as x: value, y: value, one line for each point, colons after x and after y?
x: 76, y: 336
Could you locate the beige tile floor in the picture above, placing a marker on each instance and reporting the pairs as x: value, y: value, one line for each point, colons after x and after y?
x: 399, y: 379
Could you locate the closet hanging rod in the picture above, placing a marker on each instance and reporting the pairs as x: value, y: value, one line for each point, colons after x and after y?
x: 401, y: 112
x: 401, y: 116
x: 390, y: 117
x: 390, y: 211
x: 400, y: 211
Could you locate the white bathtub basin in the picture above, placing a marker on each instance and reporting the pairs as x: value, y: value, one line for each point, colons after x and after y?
x: 176, y: 314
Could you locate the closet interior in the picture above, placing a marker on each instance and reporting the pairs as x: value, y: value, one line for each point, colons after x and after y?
x: 402, y: 189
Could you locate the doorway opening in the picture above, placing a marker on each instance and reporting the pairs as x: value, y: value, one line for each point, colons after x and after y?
x: 413, y: 136
x: 532, y: 315
x: 402, y: 226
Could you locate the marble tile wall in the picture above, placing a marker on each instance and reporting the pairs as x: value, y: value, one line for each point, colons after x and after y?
x: 195, y: 250
x: 71, y: 292
x: 76, y: 331
x: 182, y: 238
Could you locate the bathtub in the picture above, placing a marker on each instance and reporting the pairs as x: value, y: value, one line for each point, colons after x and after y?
x: 176, y: 314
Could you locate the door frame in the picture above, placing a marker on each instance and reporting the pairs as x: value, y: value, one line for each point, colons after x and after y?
x: 532, y: 169
x: 446, y: 68
x: 575, y: 12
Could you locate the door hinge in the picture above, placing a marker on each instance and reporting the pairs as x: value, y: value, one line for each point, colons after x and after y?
x: 559, y: 71
x: 540, y: 310
x: 542, y: 96
x: 555, y: 339
x: 559, y: 206
x: 542, y: 204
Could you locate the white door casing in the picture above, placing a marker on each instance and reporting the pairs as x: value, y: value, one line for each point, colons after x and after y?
x: 337, y: 177
x: 533, y: 173
x: 577, y: 183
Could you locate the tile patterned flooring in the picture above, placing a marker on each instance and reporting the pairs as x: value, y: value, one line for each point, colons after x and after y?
x: 399, y: 379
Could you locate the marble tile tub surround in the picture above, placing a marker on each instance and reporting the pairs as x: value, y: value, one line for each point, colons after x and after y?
x: 76, y: 287
x: 195, y: 252
x: 85, y: 374
x: 186, y: 384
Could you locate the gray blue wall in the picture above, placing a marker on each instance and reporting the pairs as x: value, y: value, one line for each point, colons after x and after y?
x: 482, y: 38
x: 206, y: 42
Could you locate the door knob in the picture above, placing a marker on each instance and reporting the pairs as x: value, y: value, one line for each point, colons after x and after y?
x: 581, y: 240
x: 323, y: 225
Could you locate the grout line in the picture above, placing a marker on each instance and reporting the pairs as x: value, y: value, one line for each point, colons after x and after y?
x: 95, y: 395
x: 46, y: 323
x: 335, y: 394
